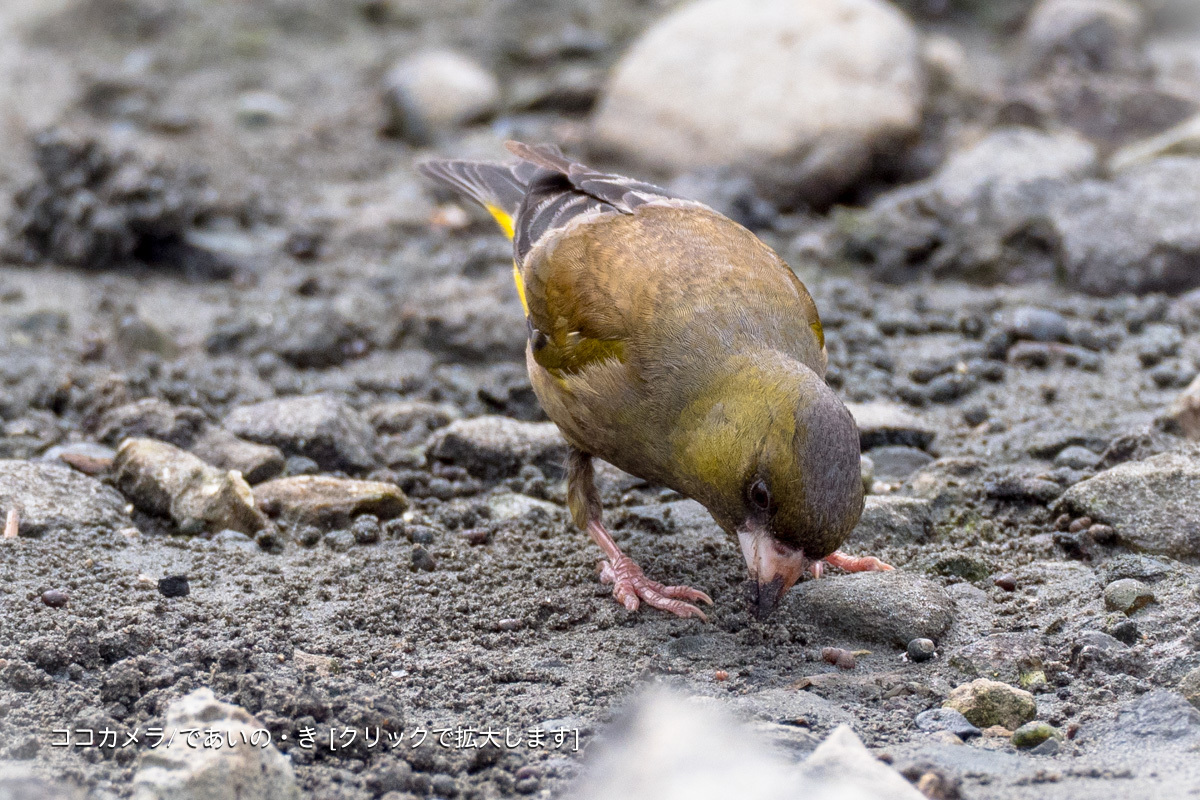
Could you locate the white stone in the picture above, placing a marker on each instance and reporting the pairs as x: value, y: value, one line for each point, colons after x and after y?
x: 179, y: 772
x: 437, y: 90
x: 724, y: 82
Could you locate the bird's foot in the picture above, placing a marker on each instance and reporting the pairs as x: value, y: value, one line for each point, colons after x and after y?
x: 849, y: 564
x: 631, y: 586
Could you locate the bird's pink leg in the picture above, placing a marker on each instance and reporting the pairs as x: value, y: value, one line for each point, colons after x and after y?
x: 853, y: 563
x: 630, y: 584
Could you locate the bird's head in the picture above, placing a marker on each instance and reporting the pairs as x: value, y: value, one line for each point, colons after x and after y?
x: 774, y: 455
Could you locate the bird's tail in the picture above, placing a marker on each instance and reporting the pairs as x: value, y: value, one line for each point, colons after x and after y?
x: 497, y: 187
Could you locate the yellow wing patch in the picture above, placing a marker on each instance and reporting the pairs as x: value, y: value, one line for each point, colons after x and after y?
x: 503, y: 219
x: 520, y: 282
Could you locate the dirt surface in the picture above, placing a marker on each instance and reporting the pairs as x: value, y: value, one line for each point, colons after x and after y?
x: 479, y: 607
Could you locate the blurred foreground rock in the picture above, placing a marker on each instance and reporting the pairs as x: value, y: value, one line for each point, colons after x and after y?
x: 801, y: 92
x: 235, y: 769
x: 671, y: 748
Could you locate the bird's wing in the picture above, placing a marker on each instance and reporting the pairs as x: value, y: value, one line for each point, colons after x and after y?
x: 563, y: 189
x: 579, y: 313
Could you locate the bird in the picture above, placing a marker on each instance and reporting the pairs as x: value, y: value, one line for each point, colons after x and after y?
x: 671, y: 342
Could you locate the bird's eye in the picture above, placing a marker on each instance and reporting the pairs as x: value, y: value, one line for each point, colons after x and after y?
x: 760, y: 495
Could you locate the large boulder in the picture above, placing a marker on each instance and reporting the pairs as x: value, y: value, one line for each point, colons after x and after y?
x: 802, y: 92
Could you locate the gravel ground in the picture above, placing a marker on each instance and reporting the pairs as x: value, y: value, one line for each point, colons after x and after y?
x: 259, y: 280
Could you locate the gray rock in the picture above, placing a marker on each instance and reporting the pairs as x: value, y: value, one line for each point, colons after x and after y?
x: 886, y: 607
x: 946, y: 719
x: 492, y: 447
x: 1127, y: 595
x: 986, y: 703
x: 1154, y: 504
x: 256, y: 462
x: 678, y: 98
x: 1085, y: 35
x: 1137, y: 233
x: 53, y: 497
x: 890, y: 520
x: 436, y: 91
x: 320, y: 427
x: 162, y: 480
x: 881, y: 423
x: 976, y: 216
x: 212, y: 773
x: 894, y: 463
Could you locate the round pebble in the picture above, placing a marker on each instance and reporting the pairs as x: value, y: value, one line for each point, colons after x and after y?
x: 921, y: 649
x: 1007, y: 582
x: 366, y: 529
x: 174, y: 586
x: 1031, y: 734
x: 55, y: 598
x: 842, y: 659
x: 1127, y: 595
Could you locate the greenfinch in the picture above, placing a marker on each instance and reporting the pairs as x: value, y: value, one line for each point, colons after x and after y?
x: 669, y: 341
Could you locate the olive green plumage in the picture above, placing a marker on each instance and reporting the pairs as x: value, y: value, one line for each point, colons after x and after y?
x: 671, y: 342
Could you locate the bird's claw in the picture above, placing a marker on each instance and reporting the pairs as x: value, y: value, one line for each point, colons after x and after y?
x: 851, y: 563
x: 631, y: 586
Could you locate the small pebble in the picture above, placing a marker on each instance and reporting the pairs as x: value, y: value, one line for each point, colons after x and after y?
x: 976, y: 415
x: 1081, y: 524
x: 1125, y: 632
x: 366, y: 529
x: 174, y: 586
x: 921, y: 649
x: 55, y: 598
x: 1007, y: 582
x: 422, y: 560
x: 1104, y: 534
x: 476, y: 536
x: 721, y: 675
x: 842, y: 659
x: 1063, y: 522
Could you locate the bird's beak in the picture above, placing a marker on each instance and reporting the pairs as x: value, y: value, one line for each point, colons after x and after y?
x: 774, y: 568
